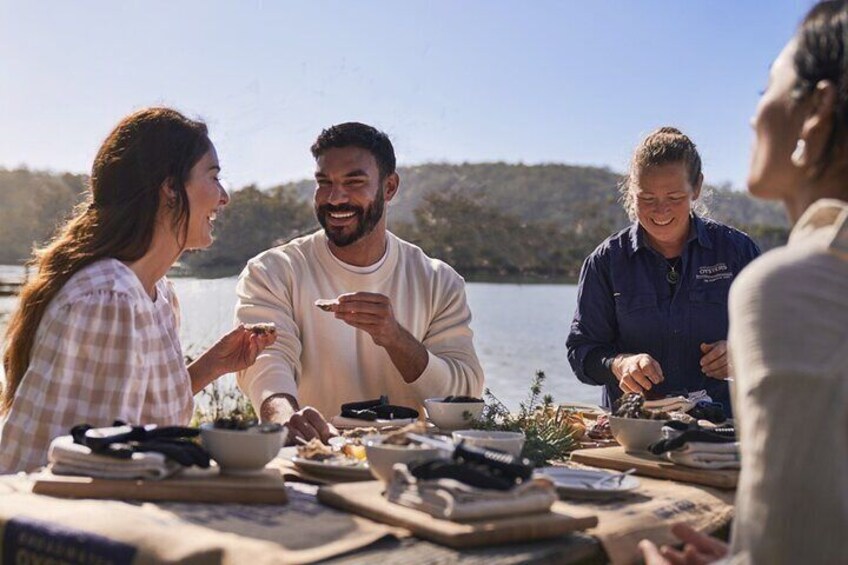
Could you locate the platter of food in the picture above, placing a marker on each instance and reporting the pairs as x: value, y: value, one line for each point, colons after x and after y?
x: 345, y: 460
x: 334, y: 469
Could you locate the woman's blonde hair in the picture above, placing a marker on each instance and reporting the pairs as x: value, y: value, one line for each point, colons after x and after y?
x: 663, y: 146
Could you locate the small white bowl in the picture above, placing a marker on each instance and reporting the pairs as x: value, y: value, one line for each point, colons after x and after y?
x: 382, y: 457
x: 452, y: 415
x: 510, y: 442
x: 242, y: 452
x: 635, y: 434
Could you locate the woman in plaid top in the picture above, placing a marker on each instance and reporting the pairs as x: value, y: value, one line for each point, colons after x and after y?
x: 95, y: 334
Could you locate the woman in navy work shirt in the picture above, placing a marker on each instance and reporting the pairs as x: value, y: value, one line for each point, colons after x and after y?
x: 652, y: 298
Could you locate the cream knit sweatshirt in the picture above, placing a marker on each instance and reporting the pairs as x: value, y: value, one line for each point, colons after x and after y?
x: 322, y: 361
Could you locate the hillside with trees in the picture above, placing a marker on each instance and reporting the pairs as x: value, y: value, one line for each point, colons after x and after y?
x: 32, y: 204
x: 252, y: 222
x: 488, y: 220
x: 550, y: 192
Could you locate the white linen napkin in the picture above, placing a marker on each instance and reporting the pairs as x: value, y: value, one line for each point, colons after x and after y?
x: 678, y: 403
x: 669, y: 404
x: 705, y: 455
x: 69, y: 458
x: 450, y: 499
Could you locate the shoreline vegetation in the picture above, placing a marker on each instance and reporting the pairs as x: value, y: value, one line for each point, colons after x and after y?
x: 493, y: 222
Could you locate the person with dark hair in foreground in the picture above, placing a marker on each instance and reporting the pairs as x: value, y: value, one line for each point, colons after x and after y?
x: 789, y: 320
x: 94, y: 338
x: 398, y: 321
x: 652, y: 299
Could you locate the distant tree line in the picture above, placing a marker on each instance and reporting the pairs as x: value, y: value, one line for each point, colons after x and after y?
x: 32, y: 205
x: 489, y: 220
x: 484, y: 242
x: 253, y: 221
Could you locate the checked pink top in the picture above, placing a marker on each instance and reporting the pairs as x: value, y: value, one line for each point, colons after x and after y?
x: 104, y: 351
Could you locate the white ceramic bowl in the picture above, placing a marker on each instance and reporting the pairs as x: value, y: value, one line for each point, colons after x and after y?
x: 634, y: 434
x: 240, y: 452
x: 452, y: 415
x: 511, y: 442
x: 381, y: 457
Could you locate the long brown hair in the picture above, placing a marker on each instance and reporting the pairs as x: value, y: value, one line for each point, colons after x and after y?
x: 118, y: 218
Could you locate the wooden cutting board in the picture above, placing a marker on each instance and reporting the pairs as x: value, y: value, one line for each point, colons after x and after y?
x: 366, y: 499
x: 650, y: 466
x: 192, y: 485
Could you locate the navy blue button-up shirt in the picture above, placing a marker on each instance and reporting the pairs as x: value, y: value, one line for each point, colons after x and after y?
x: 625, y: 304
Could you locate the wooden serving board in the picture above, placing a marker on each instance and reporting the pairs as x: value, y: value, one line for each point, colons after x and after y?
x: 366, y: 499
x: 192, y: 485
x: 650, y: 466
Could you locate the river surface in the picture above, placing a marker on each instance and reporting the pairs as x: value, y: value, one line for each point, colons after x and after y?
x: 518, y: 329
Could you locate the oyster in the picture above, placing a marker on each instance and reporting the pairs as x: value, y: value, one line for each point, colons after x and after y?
x: 263, y: 328
x: 327, y: 304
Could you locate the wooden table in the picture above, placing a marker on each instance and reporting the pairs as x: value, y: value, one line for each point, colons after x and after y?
x: 244, y: 533
x: 651, y: 466
x: 575, y: 549
x: 210, y: 533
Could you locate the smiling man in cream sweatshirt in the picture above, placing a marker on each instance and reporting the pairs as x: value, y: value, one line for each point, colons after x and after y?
x: 398, y: 323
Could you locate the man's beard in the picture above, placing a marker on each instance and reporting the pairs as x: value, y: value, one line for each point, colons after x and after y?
x: 367, y: 219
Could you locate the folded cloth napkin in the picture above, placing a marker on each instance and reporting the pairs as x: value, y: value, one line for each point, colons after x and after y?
x: 678, y: 403
x: 475, y: 470
x: 695, y: 446
x: 709, y: 447
x: 122, y: 440
x: 450, y: 499
x: 677, y: 434
x: 706, y: 455
x: 668, y: 404
x: 69, y: 458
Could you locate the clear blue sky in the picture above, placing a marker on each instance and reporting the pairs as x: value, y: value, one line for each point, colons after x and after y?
x: 527, y: 81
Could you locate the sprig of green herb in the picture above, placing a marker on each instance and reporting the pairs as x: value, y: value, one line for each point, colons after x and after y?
x: 548, y: 436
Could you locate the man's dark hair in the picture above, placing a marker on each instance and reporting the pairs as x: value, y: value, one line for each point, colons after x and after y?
x: 355, y: 134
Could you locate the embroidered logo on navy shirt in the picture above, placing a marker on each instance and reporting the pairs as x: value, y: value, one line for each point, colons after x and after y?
x: 714, y: 273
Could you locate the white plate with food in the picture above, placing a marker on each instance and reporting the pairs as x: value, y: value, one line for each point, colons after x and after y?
x: 339, y: 469
x: 589, y: 483
x: 590, y: 411
x: 342, y: 460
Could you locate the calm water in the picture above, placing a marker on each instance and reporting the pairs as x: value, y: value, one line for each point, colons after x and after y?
x: 518, y: 329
